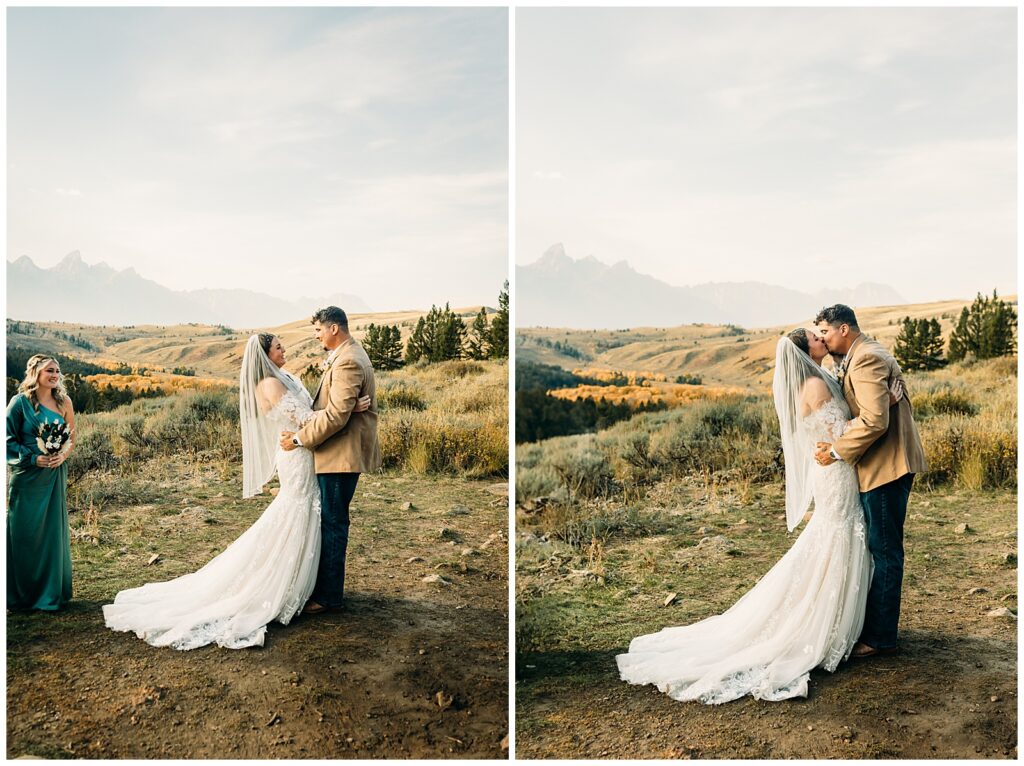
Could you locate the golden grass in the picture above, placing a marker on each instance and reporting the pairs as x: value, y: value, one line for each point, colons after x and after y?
x: 968, y: 430
x: 211, y: 350
x: 450, y: 418
x: 711, y: 351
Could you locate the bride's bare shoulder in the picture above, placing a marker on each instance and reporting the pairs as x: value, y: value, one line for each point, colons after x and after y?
x: 813, y: 395
x: 816, y: 386
x: 271, y: 385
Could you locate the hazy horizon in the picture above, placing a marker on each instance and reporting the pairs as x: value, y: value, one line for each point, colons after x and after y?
x: 803, y: 147
x: 289, y: 151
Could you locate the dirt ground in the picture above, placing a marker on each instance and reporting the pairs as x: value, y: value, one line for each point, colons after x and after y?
x: 951, y: 693
x: 410, y: 669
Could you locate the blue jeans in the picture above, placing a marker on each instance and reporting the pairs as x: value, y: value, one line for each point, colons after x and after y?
x: 336, y: 491
x: 885, y: 509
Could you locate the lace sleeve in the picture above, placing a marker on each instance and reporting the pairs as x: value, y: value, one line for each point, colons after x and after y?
x: 826, y: 423
x: 293, y: 410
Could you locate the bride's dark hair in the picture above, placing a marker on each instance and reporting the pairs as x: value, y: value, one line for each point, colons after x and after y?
x: 799, y: 338
x: 266, y: 338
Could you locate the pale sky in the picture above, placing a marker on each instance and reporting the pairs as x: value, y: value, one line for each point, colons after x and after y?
x: 297, y: 152
x: 801, y: 147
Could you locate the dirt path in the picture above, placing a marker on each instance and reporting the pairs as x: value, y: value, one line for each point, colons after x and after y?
x: 952, y: 693
x: 409, y: 670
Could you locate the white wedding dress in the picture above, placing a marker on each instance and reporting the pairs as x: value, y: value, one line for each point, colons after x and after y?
x: 266, y: 574
x: 806, y: 612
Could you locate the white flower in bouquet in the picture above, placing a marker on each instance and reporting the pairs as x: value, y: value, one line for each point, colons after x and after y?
x: 53, y: 437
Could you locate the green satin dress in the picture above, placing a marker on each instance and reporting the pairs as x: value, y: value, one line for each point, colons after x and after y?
x: 38, y: 538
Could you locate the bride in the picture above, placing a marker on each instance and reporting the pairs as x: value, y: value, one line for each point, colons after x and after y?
x: 268, y: 573
x: 808, y: 610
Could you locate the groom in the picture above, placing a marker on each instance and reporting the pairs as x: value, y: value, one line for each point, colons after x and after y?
x: 883, y: 443
x: 344, y: 444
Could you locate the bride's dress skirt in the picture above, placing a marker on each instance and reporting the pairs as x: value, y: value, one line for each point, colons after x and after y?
x: 806, y: 612
x: 266, y: 574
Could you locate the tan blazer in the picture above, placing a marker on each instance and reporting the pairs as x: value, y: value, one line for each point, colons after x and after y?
x: 344, y: 441
x: 881, y: 441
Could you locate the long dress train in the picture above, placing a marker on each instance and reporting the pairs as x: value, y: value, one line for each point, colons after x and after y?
x: 806, y: 612
x: 266, y: 574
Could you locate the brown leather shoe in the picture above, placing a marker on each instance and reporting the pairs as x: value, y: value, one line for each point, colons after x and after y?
x: 312, y: 607
x: 861, y: 650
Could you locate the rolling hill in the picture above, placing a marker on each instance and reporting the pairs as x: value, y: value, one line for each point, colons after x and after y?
x: 722, y: 355
x: 213, y: 351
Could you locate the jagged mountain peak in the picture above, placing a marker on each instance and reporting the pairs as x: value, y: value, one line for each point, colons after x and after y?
x: 587, y: 293
x: 76, y: 291
x: 554, y: 257
x: 23, y: 262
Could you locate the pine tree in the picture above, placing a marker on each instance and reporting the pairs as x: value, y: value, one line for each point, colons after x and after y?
x: 372, y: 344
x: 391, y: 348
x: 919, y: 344
x: 500, y: 327
x: 415, y: 347
x: 452, y: 336
x: 432, y: 334
x: 932, y: 345
x: 905, y: 348
x: 985, y: 330
x: 998, y: 329
x: 959, y: 341
x: 479, y: 337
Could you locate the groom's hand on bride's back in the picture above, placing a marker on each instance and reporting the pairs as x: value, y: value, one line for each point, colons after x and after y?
x: 823, y: 453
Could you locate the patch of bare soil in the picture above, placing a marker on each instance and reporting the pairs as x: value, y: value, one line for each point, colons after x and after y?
x: 950, y: 693
x: 410, y: 669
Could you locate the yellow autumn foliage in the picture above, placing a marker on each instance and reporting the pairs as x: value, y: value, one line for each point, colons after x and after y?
x: 633, y: 377
x: 165, y: 382
x: 672, y: 395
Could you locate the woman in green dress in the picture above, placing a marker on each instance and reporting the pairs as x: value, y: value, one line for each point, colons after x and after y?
x: 38, y: 539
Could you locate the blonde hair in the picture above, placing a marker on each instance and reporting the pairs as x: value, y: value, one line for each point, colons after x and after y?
x: 31, y: 382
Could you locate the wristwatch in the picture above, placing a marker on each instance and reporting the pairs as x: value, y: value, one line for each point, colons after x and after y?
x: 834, y: 454
x: 296, y: 442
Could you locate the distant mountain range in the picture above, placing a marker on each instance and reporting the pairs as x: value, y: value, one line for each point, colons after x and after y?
x: 559, y: 291
x: 75, y: 291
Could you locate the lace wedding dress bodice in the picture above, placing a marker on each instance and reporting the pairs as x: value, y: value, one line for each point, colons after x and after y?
x: 266, y: 574
x: 806, y: 612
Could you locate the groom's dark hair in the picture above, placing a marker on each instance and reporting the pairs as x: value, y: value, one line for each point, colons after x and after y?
x: 837, y: 315
x: 331, y: 315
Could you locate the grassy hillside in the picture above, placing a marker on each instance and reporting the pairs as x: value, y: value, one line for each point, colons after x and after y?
x: 721, y: 355
x: 212, y: 350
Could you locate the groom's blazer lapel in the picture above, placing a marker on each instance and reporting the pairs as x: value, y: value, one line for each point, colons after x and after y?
x: 338, y: 352
x: 858, y: 345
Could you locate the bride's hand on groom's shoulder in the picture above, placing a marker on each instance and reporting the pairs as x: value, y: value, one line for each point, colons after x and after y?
x: 896, y: 392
